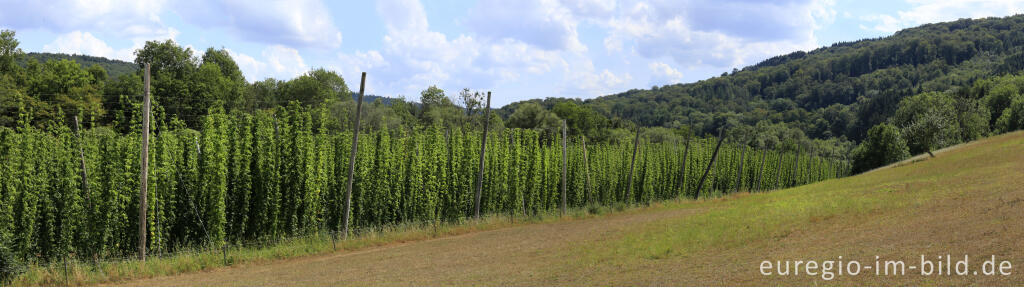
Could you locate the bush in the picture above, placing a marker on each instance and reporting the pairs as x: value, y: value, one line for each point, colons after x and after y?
x: 883, y: 146
x: 928, y: 121
x: 1012, y: 117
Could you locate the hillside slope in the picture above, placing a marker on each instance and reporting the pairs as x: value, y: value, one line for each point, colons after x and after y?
x: 966, y: 201
x: 837, y: 91
x: 114, y: 68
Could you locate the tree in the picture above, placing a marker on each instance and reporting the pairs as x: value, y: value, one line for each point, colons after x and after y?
x: 973, y: 118
x: 227, y: 65
x: 229, y: 79
x: 928, y: 121
x: 931, y: 130
x: 171, y: 70
x: 882, y: 146
x: 262, y: 94
x: 437, y: 108
x: 67, y: 88
x: 470, y: 100
x: 9, y: 51
x: 315, y: 87
x: 1012, y: 118
x: 580, y: 119
x: 531, y: 115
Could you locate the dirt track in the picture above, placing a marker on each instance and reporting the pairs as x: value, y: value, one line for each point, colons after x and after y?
x: 505, y: 256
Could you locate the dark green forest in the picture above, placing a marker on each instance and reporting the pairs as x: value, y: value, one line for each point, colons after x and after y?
x: 114, y: 68
x: 959, y: 77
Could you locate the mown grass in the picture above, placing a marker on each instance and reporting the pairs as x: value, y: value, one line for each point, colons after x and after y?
x: 761, y: 218
x: 77, y: 273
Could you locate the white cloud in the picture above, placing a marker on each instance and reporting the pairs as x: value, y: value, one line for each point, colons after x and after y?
x: 405, y: 15
x: 662, y: 73
x: 718, y: 34
x: 131, y: 18
x: 932, y: 11
x: 252, y: 69
x: 544, y: 23
x: 283, y: 62
x: 363, y: 60
x: 294, y: 23
x: 582, y: 79
x: 590, y: 8
x: 85, y: 43
x: 78, y: 42
x: 414, y: 57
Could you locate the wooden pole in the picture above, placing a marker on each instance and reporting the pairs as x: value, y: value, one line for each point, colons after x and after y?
x: 796, y: 169
x: 352, y: 155
x: 81, y: 156
x: 778, y: 171
x: 586, y: 166
x: 760, y: 171
x: 739, y: 173
x: 682, y: 173
x: 714, y: 155
x: 565, y: 162
x: 483, y: 151
x: 144, y: 170
x: 632, y: 165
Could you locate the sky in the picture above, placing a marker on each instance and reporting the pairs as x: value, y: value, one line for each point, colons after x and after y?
x: 518, y: 49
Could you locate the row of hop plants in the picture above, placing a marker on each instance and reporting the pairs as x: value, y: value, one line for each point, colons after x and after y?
x: 283, y: 172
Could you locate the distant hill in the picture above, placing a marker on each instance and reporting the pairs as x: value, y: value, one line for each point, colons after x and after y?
x: 115, y: 68
x: 840, y: 90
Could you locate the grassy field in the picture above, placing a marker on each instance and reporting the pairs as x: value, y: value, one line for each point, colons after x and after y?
x: 966, y: 201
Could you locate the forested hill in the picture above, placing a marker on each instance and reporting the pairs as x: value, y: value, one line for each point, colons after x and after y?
x: 114, y: 68
x: 842, y: 90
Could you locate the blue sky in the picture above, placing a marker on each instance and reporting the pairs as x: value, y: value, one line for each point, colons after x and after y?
x: 519, y: 49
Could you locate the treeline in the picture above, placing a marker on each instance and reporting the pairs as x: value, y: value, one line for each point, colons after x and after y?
x: 929, y: 121
x: 282, y: 172
x: 114, y: 68
x: 831, y: 92
x: 185, y: 85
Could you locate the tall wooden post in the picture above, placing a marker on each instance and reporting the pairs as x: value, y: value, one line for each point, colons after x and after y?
x: 144, y: 168
x: 586, y: 166
x: 632, y: 165
x: 85, y: 178
x: 85, y: 173
x: 714, y: 155
x: 352, y: 155
x: 760, y: 171
x: 565, y: 162
x: 796, y: 170
x: 778, y: 171
x: 682, y: 173
x: 739, y: 173
x: 483, y: 151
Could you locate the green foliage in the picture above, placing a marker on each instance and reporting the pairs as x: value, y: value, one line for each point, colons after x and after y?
x: 280, y: 173
x: 112, y: 68
x: 533, y: 116
x: 883, y: 146
x: 1012, y: 117
x: 9, y: 51
x: 836, y: 91
x: 928, y: 121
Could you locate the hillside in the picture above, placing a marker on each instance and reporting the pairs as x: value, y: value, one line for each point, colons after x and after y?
x: 115, y: 68
x: 966, y: 201
x: 836, y: 91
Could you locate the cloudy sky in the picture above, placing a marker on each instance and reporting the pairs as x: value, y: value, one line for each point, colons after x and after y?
x: 520, y: 49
